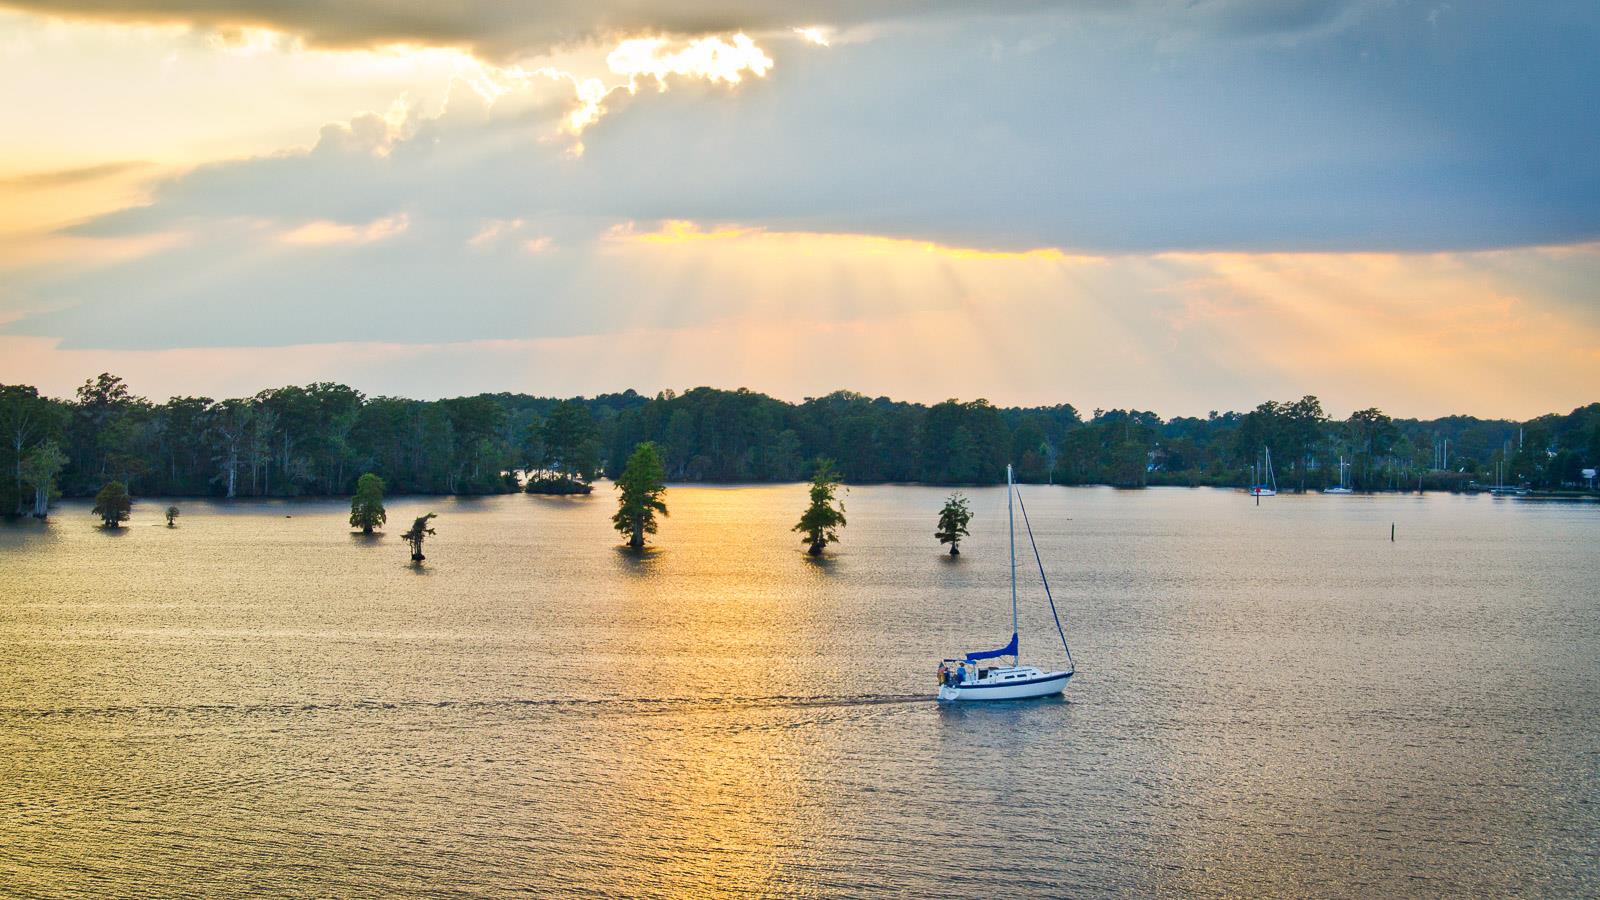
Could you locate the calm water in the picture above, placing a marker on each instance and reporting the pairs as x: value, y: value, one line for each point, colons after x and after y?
x: 1271, y: 699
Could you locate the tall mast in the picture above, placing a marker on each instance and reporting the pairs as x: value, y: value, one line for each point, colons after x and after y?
x: 1011, y: 528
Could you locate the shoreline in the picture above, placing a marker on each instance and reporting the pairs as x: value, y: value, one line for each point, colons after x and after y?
x: 1569, y: 495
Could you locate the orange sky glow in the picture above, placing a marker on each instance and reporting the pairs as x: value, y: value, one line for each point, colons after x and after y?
x: 605, y: 292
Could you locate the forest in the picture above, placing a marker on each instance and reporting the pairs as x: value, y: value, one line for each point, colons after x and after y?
x: 318, y: 439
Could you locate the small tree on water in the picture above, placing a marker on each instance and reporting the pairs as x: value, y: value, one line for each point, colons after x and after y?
x: 642, y: 483
x: 113, y: 505
x: 819, y: 525
x: 419, y: 532
x: 366, y: 507
x: 172, y: 517
x: 953, y: 521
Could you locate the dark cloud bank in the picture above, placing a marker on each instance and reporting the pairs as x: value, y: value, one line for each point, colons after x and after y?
x: 1323, y: 126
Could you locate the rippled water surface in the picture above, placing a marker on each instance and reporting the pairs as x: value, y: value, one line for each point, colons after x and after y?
x: 1273, y: 699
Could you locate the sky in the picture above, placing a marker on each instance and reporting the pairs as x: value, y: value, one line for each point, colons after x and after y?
x: 1175, y: 205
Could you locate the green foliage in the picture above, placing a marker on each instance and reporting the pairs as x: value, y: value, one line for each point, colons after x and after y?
x: 420, y: 529
x: 1370, y: 435
x: 26, y: 421
x: 714, y: 435
x: 819, y: 525
x: 172, y: 517
x: 39, y: 469
x: 570, y: 442
x: 1032, y: 451
x: 556, y: 485
x: 113, y: 505
x: 1116, y: 447
x: 531, y: 450
x: 366, y: 507
x: 1296, y: 432
x: 111, y: 430
x: 953, y: 520
x: 965, y: 443
x: 642, y: 483
x: 316, y: 439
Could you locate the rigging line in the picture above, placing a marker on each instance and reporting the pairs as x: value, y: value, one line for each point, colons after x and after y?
x: 1053, y: 614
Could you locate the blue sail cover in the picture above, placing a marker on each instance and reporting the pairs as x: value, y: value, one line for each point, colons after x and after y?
x: 1008, y: 650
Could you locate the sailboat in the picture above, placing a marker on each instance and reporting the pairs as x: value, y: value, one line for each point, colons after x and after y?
x: 965, y: 679
x: 1265, y: 482
x: 1501, y: 489
x: 1344, y: 486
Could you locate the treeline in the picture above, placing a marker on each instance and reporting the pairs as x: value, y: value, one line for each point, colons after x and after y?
x: 317, y: 439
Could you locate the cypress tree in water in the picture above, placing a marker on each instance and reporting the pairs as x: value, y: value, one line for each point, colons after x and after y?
x: 366, y: 507
x: 953, y: 521
x: 642, y: 483
x: 819, y: 525
x: 419, y: 532
x: 113, y: 505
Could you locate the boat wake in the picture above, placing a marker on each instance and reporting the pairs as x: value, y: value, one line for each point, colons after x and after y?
x: 617, y: 705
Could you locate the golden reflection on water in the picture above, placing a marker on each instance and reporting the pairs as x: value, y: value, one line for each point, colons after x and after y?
x: 1269, y: 701
x: 715, y: 789
x: 709, y: 799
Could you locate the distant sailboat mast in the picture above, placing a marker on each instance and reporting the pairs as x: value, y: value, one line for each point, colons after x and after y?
x: 1011, y: 530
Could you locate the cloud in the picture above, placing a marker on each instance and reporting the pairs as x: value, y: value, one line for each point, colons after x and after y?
x: 1181, y: 333
x: 1278, y: 17
x: 502, y: 29
x: 508, y: 30
x: 678, y: 231
x: 1103, y: 141
x: 814, y: 35
x: 322, y: 231
x: 710, y: 58
x: 1109, y: 199
x: 714, y: 59
x: 57, y: 178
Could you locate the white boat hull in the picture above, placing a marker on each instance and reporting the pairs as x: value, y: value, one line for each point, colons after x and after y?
x: 1263, y: 492
x: 1045, y: 685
